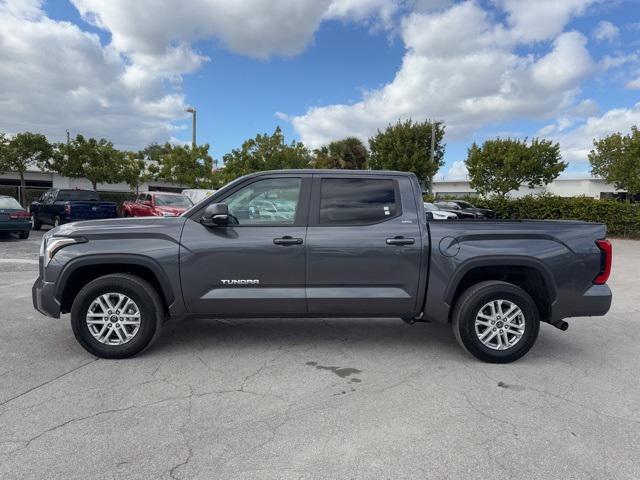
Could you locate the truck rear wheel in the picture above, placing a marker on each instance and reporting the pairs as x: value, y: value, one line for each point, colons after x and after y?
x: 116, y: 316
x: 496, y: 322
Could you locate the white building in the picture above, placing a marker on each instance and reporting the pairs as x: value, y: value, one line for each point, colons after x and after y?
x: 565, y: 186
x: 41, y: 181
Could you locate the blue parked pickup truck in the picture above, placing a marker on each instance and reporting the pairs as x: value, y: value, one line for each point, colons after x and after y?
x: 57, y: 206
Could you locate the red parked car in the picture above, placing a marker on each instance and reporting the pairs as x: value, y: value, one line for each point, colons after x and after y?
x: 157, y: 204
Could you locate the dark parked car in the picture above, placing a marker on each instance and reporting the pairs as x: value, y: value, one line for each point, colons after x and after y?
x: 465, y: 209
x: 14, y: 218
x: 57, y: 206
x: 338, y: 243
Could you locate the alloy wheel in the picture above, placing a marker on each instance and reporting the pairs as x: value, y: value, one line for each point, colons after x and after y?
x: 113, y: 318
x: 500, y: 324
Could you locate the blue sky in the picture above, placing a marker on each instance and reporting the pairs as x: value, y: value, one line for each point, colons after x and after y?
x: 331, y: 67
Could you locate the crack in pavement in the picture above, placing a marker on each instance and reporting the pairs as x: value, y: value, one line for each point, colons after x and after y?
x: 185, y: 439
x: 48, y: 381
x: 28, y: 442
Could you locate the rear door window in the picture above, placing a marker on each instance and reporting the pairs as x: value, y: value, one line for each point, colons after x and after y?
x: 358, y: 201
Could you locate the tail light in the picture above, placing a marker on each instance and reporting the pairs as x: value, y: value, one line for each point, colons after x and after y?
x: 19, y: 216
x: 67, y: 208
x: 606, y: 252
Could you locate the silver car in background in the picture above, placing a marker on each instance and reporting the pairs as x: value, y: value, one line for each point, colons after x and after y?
x: 437, y: 213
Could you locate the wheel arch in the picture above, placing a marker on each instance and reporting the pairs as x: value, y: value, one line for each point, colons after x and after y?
x: 528, y: 273
x: 82, y: 270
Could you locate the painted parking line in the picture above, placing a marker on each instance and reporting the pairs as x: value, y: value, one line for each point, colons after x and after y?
x: 27, y: 261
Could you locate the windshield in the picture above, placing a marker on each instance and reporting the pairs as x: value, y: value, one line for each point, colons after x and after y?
x: 77, y: 195
x: 464, y: 204
x: 430, y: 206
x: 9, y: 203
x: 173, y: 201
x: 448, y: 205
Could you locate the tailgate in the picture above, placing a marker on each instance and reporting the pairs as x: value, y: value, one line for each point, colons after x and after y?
x: 92, y: 210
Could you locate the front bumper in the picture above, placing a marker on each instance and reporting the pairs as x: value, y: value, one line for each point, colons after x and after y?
x: 43, y: 295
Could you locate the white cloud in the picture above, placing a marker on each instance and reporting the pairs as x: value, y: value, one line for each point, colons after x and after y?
x: 256, y: 28
x: 457, y: 171
x: 461, y: 67
x: 541, y: 19
x: 362, y: 10
x: 54, y: 76
x: 606, y: 32
x: 633, y: 84
x: 577, y: 143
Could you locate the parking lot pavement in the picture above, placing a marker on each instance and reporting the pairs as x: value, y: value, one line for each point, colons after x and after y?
x: 285, y: 399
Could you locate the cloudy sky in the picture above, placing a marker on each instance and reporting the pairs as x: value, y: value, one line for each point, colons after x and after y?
x: 321, y: 69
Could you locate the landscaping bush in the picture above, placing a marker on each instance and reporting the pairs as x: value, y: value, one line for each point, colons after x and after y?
x: 622, y: 219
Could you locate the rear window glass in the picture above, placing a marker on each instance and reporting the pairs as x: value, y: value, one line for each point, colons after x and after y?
x: 78, y: 195
x: 357, y: 201
x: 9, y: 203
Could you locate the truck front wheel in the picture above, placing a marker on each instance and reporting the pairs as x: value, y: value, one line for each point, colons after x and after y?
x: 116, y: 316
x: 496, y: 322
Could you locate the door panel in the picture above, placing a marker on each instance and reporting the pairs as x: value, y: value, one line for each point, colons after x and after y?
x: 368, y: 269
x: 271, y: 276
x: 254, y: 267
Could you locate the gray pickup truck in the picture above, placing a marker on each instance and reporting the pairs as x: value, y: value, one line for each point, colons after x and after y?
x: 322, y: 243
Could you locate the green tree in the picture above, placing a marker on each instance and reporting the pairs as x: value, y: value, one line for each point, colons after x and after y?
x: 23, y: 151
x: 349, y: 153
x: 96, y: 160
x: 502, y: 165
x: 134, y: 171
x: 616, y: 158
x: 184, y: 165
x: 406, y: 146
x: 265, y: 152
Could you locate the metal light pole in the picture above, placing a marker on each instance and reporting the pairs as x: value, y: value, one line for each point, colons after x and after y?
x: 192, y: 110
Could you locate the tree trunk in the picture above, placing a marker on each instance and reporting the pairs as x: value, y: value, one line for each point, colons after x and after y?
x: 23, y: 193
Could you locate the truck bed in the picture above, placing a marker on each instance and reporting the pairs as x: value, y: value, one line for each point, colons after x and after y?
x: 564, y: 251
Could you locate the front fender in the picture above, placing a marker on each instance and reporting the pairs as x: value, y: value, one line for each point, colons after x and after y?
x: 111, y: 259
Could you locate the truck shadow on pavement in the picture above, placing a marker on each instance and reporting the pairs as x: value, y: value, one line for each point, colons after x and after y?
x: 362, y: 334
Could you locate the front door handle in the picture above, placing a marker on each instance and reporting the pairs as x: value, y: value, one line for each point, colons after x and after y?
x: 400, y: 241
x: 287, y: 240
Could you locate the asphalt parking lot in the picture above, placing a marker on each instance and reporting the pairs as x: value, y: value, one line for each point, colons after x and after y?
x: 334, y: 399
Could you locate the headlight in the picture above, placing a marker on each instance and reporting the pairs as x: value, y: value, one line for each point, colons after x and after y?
x: 167, y: 214
x: 50, y: 245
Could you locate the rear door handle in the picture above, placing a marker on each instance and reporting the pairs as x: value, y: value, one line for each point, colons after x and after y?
x: 400, y: 241
x: 287, y: 240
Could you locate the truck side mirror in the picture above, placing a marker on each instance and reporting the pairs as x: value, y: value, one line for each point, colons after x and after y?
x: 215, y: 214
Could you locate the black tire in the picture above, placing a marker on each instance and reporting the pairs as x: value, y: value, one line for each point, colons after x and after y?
x: 23, y: 235
x: 37, y: 225
x: 141, y: 292
x: 469, y: 305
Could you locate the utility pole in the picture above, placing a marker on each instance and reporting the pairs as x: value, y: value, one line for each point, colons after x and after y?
x: 68, y: 137
x: 192, y: 111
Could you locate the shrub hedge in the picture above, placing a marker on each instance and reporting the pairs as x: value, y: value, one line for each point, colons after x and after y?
x: 622, y: 219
